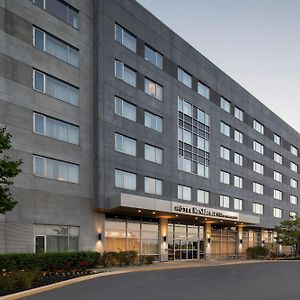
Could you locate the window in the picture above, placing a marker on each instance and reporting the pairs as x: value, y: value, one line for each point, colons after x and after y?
x: 238, y: 181
x: 153, y: 89
x: 202, y: 170
x: 125, y: 144
x: 258, y: 188
x: 125, y: 109
x: 153, y: 186
x: 60, y: 10
x: 258, y: 168
x: 184, y: 192
x: 238, y: 159
x: 294, y: 167
x: 202, y: 197
x: 185, y: 107
x: 225, y: 129
x: 277, y: 176
x: 277, y: 212
x: 238, y: 136
x: 258, y: 127
x: 278, y: 158
x: 125, y: 180
x: 203, y: 90
x: 125, y: 38
x: 153, y: 121
x: 153, y: 154
x: 225, y: 104
x: 277, y: 139
x: 258, y: 147
x: 277, y: 194
x: 55, y: 169
x: 224, y: 153
x: 55, y: 87
x: 294, y: 183
x: 184, y: 77
x: 55, y: 128
x: 238, y: 204
x: 56, y: 47
x: 153, y: 57
x: 224, y: 177
x: 238, y: 113
x: 258, y: 208
x: 293, y: 199
x: 224, y: 201
x: 184, y: 136
x: 202, y: 144
x: 184, y: 164
x: 294, y: 150
x: 125, y: 73
x: 293, y: 215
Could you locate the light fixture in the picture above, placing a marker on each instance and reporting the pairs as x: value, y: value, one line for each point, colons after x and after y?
x: 165, y: 238
x: 205, y: 219
x: 208, y: 240
x: 139, y: 211
x: 153, y: 213
x: 99, y: 236
x: 196, y: 218
x: 241, y: 241
x: 176, y: 215
x: 263, y: 242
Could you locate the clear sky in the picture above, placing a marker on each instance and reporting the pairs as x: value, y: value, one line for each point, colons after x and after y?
x: 256, y: 42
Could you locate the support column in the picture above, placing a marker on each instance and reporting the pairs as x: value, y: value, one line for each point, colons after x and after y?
x: 207, y: 237
x: 99, y: 232
x: 262, y: 237
x: 240, y: 240
x: 163, y: 236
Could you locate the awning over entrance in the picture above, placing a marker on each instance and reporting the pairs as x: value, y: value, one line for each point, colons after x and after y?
x: 133, y: 203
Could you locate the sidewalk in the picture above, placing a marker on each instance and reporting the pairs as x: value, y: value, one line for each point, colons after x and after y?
x: 171, y: 265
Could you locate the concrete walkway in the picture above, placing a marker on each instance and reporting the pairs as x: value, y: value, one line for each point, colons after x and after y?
x: 171, y: 265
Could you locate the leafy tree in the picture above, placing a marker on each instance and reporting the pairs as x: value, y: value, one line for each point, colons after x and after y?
x: 8, y: 170
x: 288, y: 234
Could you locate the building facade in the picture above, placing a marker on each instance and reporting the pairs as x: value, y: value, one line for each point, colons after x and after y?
x: 132, y: 140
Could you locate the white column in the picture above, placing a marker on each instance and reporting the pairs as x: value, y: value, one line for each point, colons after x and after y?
x: 240, y: 240
x: 163, y: 235
x: 207, y: 240
x: 99, y: 230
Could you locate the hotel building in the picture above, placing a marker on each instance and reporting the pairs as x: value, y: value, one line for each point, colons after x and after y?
x: 133, y: 140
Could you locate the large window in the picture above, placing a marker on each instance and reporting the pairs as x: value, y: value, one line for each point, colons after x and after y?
x: 238, y: 181
x: 55, y: 128
x: 202, y: 197
x: 238, y: 136
x: 258, y: 208
x: 224, y: 153
x: 125, y: 38
x: 278, y: 158
x: 294, y: 183
x: 184, y: 77
x: 125, y: 144
x: 184, y: 192
x: 258, y: 147
x: 224, y: 201
x: 277, y: 212
x: 203, y: 90
x: 55, y: 169
x: 153, y: 89
x: 153, y: 57
x: 277, y: 139
x: 153, y: 121
x: 238, y: 113
x: 294, y: 150
x: 225, y: 104
x: 153, y: 154
x: 60, y: 10
x: 258, y: 188
x: 153, y: 186
x: 238, y: 159
x: 125, y: 109
x: 277, y: 194
x: 258, y: 127
x: 225, y: 129
x: 258, y: 168
x: 277, y: 176
x: 224, y: 177
x: 125, y: 73
x: 55, y: 87
x: 56, y: 47
x: 125, y: 180
x: 293, y: 199
x: 238, y: 204
x: 293, y: 167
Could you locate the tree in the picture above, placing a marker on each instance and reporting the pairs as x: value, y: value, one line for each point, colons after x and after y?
x: 288, y: 234
x: 8, y: 170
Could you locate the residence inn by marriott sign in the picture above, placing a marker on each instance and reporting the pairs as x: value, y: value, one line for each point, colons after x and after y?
x: 204, y: 211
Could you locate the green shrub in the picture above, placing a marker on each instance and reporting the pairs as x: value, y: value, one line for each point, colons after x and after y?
x: 150, y: 260
x: 49, y: 261
x: 126, y: 257
x: 257, y: 252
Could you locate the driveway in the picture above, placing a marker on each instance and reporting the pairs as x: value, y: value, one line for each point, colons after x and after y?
x: 267, y: 280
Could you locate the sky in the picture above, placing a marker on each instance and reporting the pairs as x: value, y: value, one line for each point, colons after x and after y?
x: 256, y: 42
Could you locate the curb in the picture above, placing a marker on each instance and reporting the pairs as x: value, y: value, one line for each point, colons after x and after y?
x: 124, y: 271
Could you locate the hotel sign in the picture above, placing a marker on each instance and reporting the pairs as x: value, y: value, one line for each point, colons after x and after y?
x: 204, y: 212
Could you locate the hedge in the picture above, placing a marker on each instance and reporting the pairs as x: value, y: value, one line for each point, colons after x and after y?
x: 257, y: 252
x: 49, y: 261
